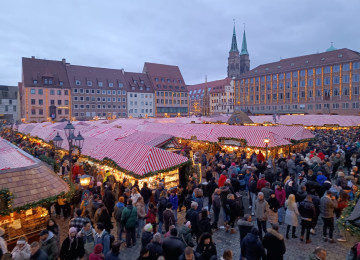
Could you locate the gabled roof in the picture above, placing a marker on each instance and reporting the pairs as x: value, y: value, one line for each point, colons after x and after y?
x: 36, y: 69
x: 95, y: 74
x: 214, y: 86
x: 304, y: 62
x: 130, y: 77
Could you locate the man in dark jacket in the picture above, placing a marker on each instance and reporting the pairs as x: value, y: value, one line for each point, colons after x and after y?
x: 109, y: 199
x: 210, y: 188
x: 158, y: 192
x: 251, y: 247
x: 173, y: 246
x: 72, y: 247
x: 147, y: 235
x: 169, y: 218
x: 155, y: 248
x: 193, y: 216
x: 37, y: 253
x: 49, y: 244
x: 274, y: 243
x: 128, y: 219
x: 301, y: 194
x: 245, y: 225
x: 308, y: 214
x: 146, y: 193
x: 189, y: 253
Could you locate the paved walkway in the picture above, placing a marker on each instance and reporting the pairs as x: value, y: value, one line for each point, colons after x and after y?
x: 295, y: 249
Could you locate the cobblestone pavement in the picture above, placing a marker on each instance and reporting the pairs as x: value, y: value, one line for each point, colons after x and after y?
x: 295, y: 249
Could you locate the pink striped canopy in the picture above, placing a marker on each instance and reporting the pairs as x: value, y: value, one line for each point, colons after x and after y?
x: 12, y: 156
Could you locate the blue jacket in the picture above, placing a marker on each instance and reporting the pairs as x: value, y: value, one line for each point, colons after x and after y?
x: 321, y: 179
x: 174, y: 201
x: 104, y: 240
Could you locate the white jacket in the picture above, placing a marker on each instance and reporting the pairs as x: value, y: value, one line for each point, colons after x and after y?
x: 21, y: 254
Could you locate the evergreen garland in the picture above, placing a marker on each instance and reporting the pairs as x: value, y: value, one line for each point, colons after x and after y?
x: 343, y: 223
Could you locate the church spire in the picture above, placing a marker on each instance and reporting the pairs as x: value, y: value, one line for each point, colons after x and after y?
x: 234, y: 47
x: 244, y: 50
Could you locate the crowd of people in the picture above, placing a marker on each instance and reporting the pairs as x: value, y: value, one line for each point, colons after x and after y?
x: 308, y: 188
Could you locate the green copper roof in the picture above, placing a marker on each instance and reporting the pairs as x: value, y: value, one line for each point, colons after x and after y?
x: 331, y: 48
x: 244, y: 50
x: 234, y: 47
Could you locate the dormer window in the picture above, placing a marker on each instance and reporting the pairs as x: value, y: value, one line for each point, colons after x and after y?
x: 134, y: 81
x: 89, y: 83
x: 77, y: 82
x: 100, y: 83
x: 111, y: 84
x: 141, y: 81
x: 35, y: 82
x: 61, y: 83
x: 121, y: 85
x: 48, y: 81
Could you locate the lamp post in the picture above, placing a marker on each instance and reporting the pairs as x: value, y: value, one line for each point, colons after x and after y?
x: 57, y: 141
x: 266, y: 141
x: 79, y: 142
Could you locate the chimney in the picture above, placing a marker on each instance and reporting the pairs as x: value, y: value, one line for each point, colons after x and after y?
x: 33, y: 57
x: 122, y: 70
x: 63, y: 61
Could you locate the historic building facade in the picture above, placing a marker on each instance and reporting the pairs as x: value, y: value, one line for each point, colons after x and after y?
x: 322, y: 83
x: 171, y: 96
x: 45, y: 90
x: 9, y: 104
x: 238, y: 63
x: 222, y: 98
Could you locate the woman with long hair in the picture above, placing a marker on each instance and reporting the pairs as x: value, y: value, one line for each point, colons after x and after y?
x: 291, y: 215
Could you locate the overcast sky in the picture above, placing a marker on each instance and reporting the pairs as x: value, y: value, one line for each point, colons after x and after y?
x: 193, y: 34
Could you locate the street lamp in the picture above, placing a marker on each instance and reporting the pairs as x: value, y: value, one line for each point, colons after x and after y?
x: 266, y: 141
x: 57, y: 141
x: 79, y: 142
x: 85, y: 180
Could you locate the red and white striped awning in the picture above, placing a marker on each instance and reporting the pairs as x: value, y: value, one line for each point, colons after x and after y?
x: 13, y: 157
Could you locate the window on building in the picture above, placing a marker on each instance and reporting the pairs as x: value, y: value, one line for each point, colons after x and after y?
x: 310, y: 93
x: 295, y: 74
x: 287, y: 84
x: 336, y: 68
x: 281, y: 95
x: 310, y: 72
x: 336, y: 92
x: 294, y: 94
x: 327, y: 81
x: 310, y: 82
x: 356, y: 65
x: 33, y: 102
x: 66, y: 92
x: 287, y: 95
x: 318, y: 106
x: 294, y: 84
x: 41, y: 112
x: 345, y: 79
x: 318, y: 71
x: 336, y: 79
x: 318, y: 92
x: 59, y: 102
x: 111, y: 84
x: 77, y: 82
x: 318, y: 82
x: 335, y: 106
x: 302, y: 94
x: 281, y: 76
x: 327, y: 69
x: 345, y: 91
x: 326, y: 92
x: 302, y: 73
x: 355, y: 90
x: 302, y: 83
x: 346, y: 67
x: 288, y: 75
x: 89, y: 83
x: 59, y: 92
x: 41, y: 102
x: 40, y: 91
x: 356, y: 105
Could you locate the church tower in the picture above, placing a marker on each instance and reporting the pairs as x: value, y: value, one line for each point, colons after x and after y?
x: 233, y: 69
x: 244, y: 56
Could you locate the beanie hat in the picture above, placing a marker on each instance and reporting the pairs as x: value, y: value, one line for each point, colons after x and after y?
x: 232, y: 164
x: 187, y: 224
x: 72, y: 230
x: 260, y: 194
x: 98, y: 249
x: 148, y: 227
x: 43, y: 232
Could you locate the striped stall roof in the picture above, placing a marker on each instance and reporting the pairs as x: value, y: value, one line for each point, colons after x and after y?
x: 13, y: 157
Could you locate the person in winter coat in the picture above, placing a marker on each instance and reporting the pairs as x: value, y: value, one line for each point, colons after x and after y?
x: 158, y: 192
x: 105, y: 218
x: 87, y: 234
x: 266, y: 190
x: 98, y: 253
x: 204, y: 222
x: 114, y: 253
x: 22, y: 250
x: 155, y: 247
x: 118, y: 209
x: 151, y: 216
x: 206, y: 247
x: 318, y: 254
x: 210, y: 188
x: 245, y: 225
x: 173, y: 198
x: 328, y: 204
x: 251, y: 247
x: 280, y: 196
x: 37, y: 253
x: 53, y: 227
x: 48, y: 244
x: 224, y: 192
x: 102, y: 237
x: 169, y: 218
x: 291, y: 215
x: 261, y: 213
x: 163, y: 201
x: 308, y: 214
x: 72, y: 247
x: 189, y: 253
x: 109, y: 199
x: 216, y: 207
x: 222, y: 180
x: 128, y: 219
x: 274, y: 243
x: 185, y: 234
x: 146, y: 193
x: 301, y: 194
x: 253, y: 191
x: 199, y: 199
x: 274, y: 206
x: 232, y: 211
x: 172, y: 246
x: 193, y: 216
x: 147, y: 235
x: 141, y: 214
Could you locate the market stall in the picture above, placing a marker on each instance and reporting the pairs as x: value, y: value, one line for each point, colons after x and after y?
x: 29, y: 187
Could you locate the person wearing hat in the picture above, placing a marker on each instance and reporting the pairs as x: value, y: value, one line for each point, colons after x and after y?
x: 49, y: 244
x: 72, y: 247
x: 97, y: 254
x: 22, y: 250
x: 185, y: 234
x: 147, y: 235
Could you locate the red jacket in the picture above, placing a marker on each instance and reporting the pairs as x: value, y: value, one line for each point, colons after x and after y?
x: 222, y: 180
x: 260, y: 157
x: 150, y: 217
x: 260, y: 184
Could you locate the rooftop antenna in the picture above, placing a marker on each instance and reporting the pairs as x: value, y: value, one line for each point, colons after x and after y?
x: 205, y: 78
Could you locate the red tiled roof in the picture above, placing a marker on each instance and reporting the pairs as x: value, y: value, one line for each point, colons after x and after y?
x: 131, y: 76
x: 215, y: 86
x: 303, y: 62
x: 35, y: 69
x: 94, y: 74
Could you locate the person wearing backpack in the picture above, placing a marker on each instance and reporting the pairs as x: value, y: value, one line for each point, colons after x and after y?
x: 87, y: 233
x: 128, y: 219
x: 118, y: 209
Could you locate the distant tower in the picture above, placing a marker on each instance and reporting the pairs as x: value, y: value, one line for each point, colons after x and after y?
x: 244, y: 56
x: 233, y: 69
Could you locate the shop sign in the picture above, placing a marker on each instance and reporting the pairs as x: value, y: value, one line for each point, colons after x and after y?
x: 230, y: 142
